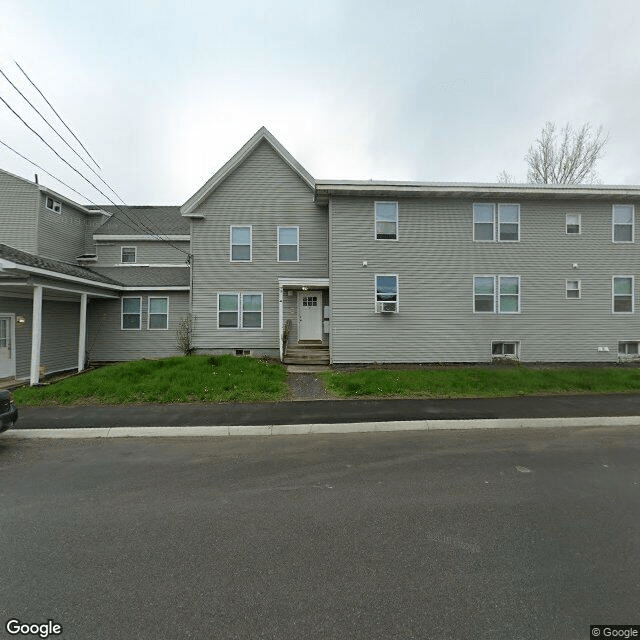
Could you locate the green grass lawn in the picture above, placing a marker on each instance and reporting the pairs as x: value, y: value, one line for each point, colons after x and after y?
x: 479, y: 381
x: 181, y: 379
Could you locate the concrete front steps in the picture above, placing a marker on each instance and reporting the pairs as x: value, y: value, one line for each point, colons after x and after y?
x: 307, y: 353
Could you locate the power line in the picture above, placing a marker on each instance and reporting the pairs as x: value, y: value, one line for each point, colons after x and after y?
x: 139, y: 224
x: 57, y: 114
x: 59, y: 135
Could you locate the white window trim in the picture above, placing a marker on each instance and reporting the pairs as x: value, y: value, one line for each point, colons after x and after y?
x: 633, y: 296
x: 509, y: 313
x: 629, y: 355
x: 135, y: 254
x: 566, y: 224
x: 516, y: 356
x: 375, y: 220
x: 507, y: 204
x: 375, y: 290
x: 53, y: 204
x: 157, y: 314
x: 633, y: 226
x: 122, y: 327
x: 493, y: 221
x: 241, y: 226
x: 239, y: 295
x: 287, y: 226
x: 473, y: 293
x: 579, y: 289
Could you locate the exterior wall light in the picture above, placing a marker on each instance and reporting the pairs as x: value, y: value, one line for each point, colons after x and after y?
x: 21, y: 321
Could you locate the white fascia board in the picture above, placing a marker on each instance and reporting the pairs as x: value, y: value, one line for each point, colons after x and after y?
x: 6, y: 264
x: 67, y: 201
x: 141, y: 238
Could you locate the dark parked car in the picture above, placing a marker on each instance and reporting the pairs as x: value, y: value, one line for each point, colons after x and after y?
x: 8, y: 411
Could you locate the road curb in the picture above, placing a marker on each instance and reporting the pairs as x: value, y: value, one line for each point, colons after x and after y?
x: 320, y: 428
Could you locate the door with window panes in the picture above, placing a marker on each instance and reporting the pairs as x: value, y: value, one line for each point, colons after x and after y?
x: 7, y: 351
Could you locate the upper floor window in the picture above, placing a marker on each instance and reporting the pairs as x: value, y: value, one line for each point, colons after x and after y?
x: 128, y: 254
x: 623, y: 294
x: 623, y: 222
x: 240, y: 244
x: 386, y: 220
x: 53, y: 205
x: 505, y: 298
x: 573, y: 289
x: 158, y: 317
x: 386, y: 293
x: 508, y: 222
x: 288, y: 244
x: 484, y: 222
x: 573, y: 222
x: 131, y: 312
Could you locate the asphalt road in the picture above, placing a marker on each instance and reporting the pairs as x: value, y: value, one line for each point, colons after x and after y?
x: 520, y: 535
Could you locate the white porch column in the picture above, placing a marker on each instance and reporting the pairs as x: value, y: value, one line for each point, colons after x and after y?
x: 36, y: 334
x: 83, y: 331
x: 280, y: 318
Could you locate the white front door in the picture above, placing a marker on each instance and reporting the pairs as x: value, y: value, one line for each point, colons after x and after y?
x: 310, y: 315
x: 7, y: 350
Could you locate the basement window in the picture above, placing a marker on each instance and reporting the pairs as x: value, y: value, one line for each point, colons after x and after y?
x: 243, y: 352
x: 505, y: 350
x: 628, y: 348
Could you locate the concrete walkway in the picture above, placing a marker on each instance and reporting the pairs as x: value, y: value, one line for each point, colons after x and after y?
x: 323, y: 416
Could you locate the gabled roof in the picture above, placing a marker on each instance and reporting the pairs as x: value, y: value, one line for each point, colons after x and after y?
x: 138, y: 220
x: 54, y: 266
x: 231, y: 165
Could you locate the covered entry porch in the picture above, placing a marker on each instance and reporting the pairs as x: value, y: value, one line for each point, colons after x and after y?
x: 304, y: 314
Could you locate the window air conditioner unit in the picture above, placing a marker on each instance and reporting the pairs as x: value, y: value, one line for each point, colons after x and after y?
x: 386, y: 307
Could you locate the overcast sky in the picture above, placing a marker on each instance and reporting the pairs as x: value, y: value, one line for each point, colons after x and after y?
x: 163, y: 93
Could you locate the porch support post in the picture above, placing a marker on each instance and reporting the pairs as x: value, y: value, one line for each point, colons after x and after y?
x: 280, y: 321
x: 36, y: 334
x: 83, y: 332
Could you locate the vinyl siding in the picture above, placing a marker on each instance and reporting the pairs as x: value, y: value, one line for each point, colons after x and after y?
x: 61, y: 235
x: 18, y: 205
x: 148, y: 252
x: 262, y: 192
x: 60, y: 334
x: 435, y: 259
x: 106, y: 341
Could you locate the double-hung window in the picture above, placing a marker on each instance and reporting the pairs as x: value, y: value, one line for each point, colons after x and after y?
x: 386, y: 220
x: 484, y: 294
x: 508, y: 222
x: 623, y: 222
x: 386, y: 294
x: 128, y: 255
x: 509, y: 292
x: 573, y: 223
x: 240, y: 311
x: 573, y: 289
x: 288, y: 244
x: 505, y: 298
x: 158, y: 317
x: 484, y: 222
x: 240, y: 238
x: 623, y: 294
x: 131, y: 311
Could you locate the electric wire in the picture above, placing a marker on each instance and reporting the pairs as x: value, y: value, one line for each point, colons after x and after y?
x: 86, y: 164
x: 140, y: 224
x: 57, y: 114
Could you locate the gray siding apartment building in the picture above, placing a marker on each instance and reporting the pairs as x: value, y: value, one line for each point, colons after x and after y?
x: 269, y: 261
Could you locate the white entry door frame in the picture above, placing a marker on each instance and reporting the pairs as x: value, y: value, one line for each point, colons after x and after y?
x: 7, y: 345
x: 310, y: 315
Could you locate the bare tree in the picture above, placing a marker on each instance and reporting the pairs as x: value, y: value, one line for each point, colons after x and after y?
x: 568, y: 156
x: 505, y: 178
